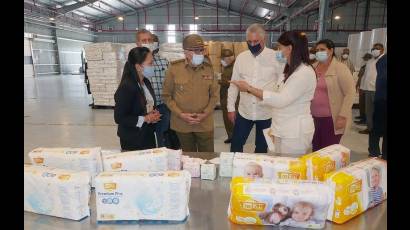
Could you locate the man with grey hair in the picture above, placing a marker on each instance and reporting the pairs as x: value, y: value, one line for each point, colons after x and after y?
x: 259, y: 67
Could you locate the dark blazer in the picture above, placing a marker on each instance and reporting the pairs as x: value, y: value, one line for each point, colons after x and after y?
x: 130, y: 103
x: 381, y: 79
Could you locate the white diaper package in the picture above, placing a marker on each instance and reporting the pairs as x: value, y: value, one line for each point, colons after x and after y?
x: 269, y: 167
x: 56, y: 192
x: 77, y: 159
x: 226, y: 164
x: 139, y: 196
x: 208, y: 171
x: 192, y: 165
x: 158, y: 159
x: 294, y: 203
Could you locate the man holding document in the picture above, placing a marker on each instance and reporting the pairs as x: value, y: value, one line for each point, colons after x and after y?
x: 258, y: 67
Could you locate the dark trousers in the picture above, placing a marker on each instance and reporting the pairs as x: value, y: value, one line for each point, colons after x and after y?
x: 128, y: 145
x: 241, y: 131
x: 324, y: 133
x: 379, y: 130
x: 362, y: 105
x: 162, y: 126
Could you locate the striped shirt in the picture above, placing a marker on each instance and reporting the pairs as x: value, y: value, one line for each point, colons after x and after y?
x: 376, y: 195
x: 160, y: 66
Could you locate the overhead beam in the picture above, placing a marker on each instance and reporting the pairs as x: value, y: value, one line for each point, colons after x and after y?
x: 269, y: 6
x: 66, y: 9
x: 296, y: 13
x: 128, y: 5
x: 111, y: 6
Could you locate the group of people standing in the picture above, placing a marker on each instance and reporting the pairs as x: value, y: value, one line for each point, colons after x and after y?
x: 306, y: 104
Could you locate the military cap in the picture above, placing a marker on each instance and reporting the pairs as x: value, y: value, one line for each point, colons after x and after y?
x: 193, y: 41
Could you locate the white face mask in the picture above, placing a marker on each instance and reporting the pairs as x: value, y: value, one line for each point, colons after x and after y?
x: 312, y: 56
x: 375, y: 53
x: 345, y: 56
x: 224, y: 64
x: 321, y: 56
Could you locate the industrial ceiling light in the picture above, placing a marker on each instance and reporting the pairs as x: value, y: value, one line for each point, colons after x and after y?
x: 120, y: 18
x: 86, y: 25
x: 51, y: 19
x: 337, y: 17
x: 269, y: 17
x: 196, y: 18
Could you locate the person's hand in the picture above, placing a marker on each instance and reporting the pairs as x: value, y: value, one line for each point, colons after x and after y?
x: 232, y: 117
x: 357, y: 88
x: 190, y: 118
x: 153, y: 117
x: 243, y: 86
x: 201, y: 116
x: 340, y: 122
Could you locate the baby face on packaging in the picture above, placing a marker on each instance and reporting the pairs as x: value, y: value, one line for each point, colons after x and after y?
x: 253, y: 170
x: 375, y: 177
x: 302, y: 212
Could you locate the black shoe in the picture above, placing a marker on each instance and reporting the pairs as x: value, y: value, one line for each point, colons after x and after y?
x: 358, y: 117
x: 372, y: 155
x: 366, y: 131
x: 227, y: 141
x: 361, y: 122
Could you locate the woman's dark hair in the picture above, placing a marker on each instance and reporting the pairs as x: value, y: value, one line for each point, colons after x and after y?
x: 329, y: 44
x: 300, y: 52
x: 136, y: 55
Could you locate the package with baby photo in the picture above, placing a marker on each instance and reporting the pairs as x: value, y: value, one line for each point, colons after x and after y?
x: 293, y: 203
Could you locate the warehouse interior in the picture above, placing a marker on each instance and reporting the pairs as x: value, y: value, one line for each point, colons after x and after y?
x: 57, y: 111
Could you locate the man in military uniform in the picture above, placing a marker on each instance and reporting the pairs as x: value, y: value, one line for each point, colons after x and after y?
x: 227, y: 61
x: 191, y: 91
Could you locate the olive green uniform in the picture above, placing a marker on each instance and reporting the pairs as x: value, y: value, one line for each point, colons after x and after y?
x: 189, y: 89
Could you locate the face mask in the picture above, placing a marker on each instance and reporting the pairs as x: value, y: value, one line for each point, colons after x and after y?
x: 312, y: 56
x: 321, y: 56
x: 224, y: 64
x: 375, y: 52
x: 280, y: 57
x: 345, y: 56
x: 197, y: 59
x: 148, y: 71
x: 255, y: 50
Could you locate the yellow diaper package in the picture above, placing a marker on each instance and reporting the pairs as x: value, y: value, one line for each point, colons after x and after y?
x: 358, y: 187
x: 294, y: 203
x: 78, y: 159
x: 269, y: 167
x: 326, y: 160
x: 56, y: 192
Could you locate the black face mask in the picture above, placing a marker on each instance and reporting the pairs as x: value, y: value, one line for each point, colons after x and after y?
x: 256, y: 49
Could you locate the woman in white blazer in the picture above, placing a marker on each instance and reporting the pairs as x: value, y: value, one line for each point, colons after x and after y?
x: 292, y: 123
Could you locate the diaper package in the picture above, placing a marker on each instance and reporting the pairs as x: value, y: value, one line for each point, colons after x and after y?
x: 56, y: 192
x: 77, y: 159
x: 358, y: 187
x: 139, y: 196
x: 192, y: 165
x: 326, y: 160
x: 269, y: 167
x: 294, y: 203
x: 174, y: 159
x: 226, y: 164
x: 208, y: 171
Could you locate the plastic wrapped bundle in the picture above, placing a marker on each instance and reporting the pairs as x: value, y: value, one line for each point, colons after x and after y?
x: 358, y: 187
x: 142, y: 196
x: 77, y: 159
x: 293, y: 203
x: 326, y: 160
x: 192, y: 165
x: 56, y: 192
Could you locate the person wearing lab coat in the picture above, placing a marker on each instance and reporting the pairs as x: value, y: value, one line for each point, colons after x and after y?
x: 292, y: 123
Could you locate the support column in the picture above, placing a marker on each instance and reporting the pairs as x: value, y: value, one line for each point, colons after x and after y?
x: 323, y: 15
x: 366, y: 15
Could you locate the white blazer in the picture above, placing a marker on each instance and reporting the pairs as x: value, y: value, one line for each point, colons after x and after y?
x: 291, y: 116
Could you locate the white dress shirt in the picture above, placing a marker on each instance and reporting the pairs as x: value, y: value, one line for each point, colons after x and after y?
x: 261, y: 72
x: 368, y: 82
x: 291, y: 116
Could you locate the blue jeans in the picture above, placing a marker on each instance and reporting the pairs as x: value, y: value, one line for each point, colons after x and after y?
x: 243, y: 128
x: 163, y: 125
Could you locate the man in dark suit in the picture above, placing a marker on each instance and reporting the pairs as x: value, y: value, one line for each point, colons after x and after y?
x: 380, y: 112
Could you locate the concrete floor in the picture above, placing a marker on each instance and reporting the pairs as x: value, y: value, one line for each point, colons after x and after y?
x: 56, y: 113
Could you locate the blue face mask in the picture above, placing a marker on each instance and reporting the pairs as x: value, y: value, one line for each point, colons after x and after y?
x: 321, y: 56
x: 197, y: 59
x: 148, y: 71
x: 280, y: 57
x: 256, y: 49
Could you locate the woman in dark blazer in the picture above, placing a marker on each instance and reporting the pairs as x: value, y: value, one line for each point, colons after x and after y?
x: 134, y: 110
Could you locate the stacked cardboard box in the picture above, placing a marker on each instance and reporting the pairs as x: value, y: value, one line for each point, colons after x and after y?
x: 214, y: 50
x: 171, y: 51
x: 105, y: 65
x: 227, y: 45
x: 239, y: 47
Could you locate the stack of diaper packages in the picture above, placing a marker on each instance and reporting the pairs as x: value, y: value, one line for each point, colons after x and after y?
x: 269, y: 167
x: 56, y: 192
x: 208, y: 171
x: 358, y: 187
x: 158, y: 159
x: 139, y: 196
x: 192, y: 165
x: 226, y: 164
x: 326, y: 160
x: 77, y: 159
x: 294, y: 203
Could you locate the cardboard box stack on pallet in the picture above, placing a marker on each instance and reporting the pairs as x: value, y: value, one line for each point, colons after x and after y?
x: 239, y: 47
x: 214, y: 53
x: 105, y: 64
x: 171, y: 51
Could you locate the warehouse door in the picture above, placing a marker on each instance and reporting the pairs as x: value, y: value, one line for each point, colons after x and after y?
x: 28, y: 59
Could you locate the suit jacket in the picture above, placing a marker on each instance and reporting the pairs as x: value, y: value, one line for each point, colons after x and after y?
x: 130, y: 103
x: 381, y: 79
